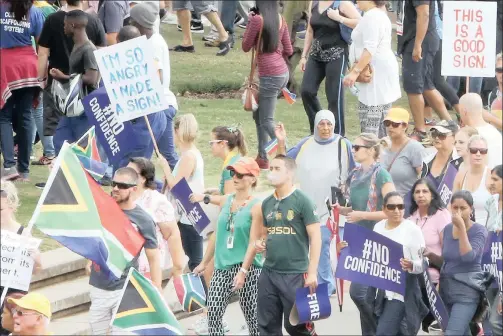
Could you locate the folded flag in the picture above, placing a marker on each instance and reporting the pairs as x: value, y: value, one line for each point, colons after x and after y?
x: 75, y: 211
x: 190, y: 291
x: 142, y: 309
x: 86, y: 149
x: 271, y: 147
x: 290, y: 97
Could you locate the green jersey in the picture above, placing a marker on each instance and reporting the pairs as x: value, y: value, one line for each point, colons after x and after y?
x: 287, y: 240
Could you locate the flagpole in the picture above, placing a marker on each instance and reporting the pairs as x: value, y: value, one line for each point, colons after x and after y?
x: 36, y: 212
x: 157, y: 152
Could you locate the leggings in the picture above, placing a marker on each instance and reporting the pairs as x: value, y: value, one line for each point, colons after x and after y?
x: 315, y: 73
x: 220, y: 292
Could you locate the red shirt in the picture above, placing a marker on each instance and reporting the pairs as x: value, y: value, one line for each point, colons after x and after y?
x: 269, y: 64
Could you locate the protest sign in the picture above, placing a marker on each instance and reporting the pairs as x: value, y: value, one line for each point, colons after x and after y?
x: 469, y: 38
x: 437, y: 306
x: 131, y: 79
x: 310, y: 307
x: 193, y: 211
x: 114, y: 136
x: 499, y: 266
x: 17, y: 265
x: 445, y: 187
x: 492, y: 252
x: 371, y: 259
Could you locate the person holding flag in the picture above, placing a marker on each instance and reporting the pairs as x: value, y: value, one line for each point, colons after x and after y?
x: 331, y: 171
x: 293, y: 245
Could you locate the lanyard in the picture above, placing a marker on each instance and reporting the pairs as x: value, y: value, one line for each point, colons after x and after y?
x: 232, y: 215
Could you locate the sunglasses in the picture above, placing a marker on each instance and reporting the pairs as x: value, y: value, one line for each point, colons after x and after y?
x: 211, y: 142
x: 499, y: 70
x: 388, y: 123
x: 238, y: 175
x: 357, y: 147
x: 436, y: 134
x: 482, y: 151
x: 21, y: 313
x: 392, y: 207
x: 122, y: 186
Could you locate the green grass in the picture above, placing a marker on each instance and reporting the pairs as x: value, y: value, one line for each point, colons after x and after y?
x: 204, y: 72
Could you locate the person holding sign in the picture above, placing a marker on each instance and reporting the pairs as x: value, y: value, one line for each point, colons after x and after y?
x: 293, y: 246
x: 463, y: 244
x: 237, y: 265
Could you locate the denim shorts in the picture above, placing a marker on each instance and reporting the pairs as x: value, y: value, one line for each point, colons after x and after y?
x: 199, y: 6
x: 418, y: 76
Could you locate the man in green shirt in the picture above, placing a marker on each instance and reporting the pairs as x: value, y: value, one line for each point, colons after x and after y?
x: 292, y: 249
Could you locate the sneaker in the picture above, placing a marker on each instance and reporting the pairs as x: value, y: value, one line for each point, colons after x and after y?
x: 419, y: 136
x: 170, y: 18
x: 181, y: 48
x: 301, y: 28
x: 301, y: 36
x: 242, y: 25
x: 40, y: 185
x: 201, y: 326
x: 435, y: 327
x: 43, y: 161
x: 238, y: 20
x: 225, y: 47
x: 212, y: 36
x: 430, y: 122
x: 213, y: 43
x: 196, y: 28
x: 262, y: 163
x: 9, y: 174
x: 15, y: 152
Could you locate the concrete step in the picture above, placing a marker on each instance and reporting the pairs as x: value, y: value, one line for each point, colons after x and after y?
x: 57, y: 266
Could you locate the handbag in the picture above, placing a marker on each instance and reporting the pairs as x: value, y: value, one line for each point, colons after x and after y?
x: 250, y: 94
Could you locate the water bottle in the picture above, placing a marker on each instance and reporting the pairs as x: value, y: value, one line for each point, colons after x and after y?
x: 353, y: 89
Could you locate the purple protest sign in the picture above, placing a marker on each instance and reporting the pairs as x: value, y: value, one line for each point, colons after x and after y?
x: 492, y: 252
x: 311, y: 307
x: 437, y: 306
x: 445, y: 187
x: 116, y: 138
x: 499, y: 266
x: 193, y: 211
x: 371, y: 259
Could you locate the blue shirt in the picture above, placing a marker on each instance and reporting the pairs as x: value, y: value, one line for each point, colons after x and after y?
x: 18, y: 34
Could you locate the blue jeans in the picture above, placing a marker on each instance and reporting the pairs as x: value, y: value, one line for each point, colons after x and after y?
x: 192, y: 243
x: 325, y: 273
x: 391, y: 318
x: 495, y: 319
x: 358, y: 294
x: 228, y: 14
x: 17, y: 109
x: 475, y: 83
x: 70, y: 130
x: 38, y: 119
x: 166, y: 141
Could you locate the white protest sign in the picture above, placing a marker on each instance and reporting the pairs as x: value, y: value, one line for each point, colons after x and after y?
x: 469, y: 41
x: 131, y: 79
x: 17, y: 267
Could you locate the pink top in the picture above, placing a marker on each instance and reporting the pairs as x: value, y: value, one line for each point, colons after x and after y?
x: 431, y: 228
x: 269, y: 64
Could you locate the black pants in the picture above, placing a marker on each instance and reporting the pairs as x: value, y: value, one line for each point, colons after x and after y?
x: 275, y: 299
x: 441, y: 85
x: 192, y: 243
x: 315, y: 72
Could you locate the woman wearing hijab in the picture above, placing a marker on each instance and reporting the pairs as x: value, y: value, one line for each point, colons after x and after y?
x: 328, y: 157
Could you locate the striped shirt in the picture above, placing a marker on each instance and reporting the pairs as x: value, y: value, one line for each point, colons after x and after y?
x: 269, y: 64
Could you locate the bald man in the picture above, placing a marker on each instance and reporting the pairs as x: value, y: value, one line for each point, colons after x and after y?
x: 472, y: 112
x: 127, y: 33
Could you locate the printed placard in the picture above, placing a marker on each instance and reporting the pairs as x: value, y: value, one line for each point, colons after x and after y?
x: 311, y: 307
x: 17, y: 267
x: 193, y: 211
x: 492, y: 252
x: 469, y: 41
x: 437, y: 306
x: 371, y: 259
x: 131, y: 80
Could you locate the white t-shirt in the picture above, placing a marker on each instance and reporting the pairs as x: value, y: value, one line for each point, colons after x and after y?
x: 494, y: 144
x: 411, y: 237
x: 161, y: 58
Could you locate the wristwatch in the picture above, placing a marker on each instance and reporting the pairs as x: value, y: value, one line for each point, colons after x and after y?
x: 206, y: 199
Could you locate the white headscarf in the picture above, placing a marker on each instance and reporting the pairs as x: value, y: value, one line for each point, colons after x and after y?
x: 323, y: 115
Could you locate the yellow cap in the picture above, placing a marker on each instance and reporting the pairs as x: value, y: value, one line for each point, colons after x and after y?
x: 34, y: 301
x: 398, y: 115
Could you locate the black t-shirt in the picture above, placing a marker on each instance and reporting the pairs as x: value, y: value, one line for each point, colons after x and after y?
x: 60, y: 45
x: 406, y: 26
x: 325, y: 30
x: 82, y: 59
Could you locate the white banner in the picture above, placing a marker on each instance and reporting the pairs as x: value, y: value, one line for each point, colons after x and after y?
x: 131, y: 78
x: 469, y: 41
x: 17, y: 267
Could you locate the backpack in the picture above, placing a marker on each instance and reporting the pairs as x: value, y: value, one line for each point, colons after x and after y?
x: 345, y: 30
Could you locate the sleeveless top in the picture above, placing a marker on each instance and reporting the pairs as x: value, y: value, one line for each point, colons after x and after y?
x: 238, y: 225
x: 196, y: 180
x: 480, y: 197
x: 327, y: 44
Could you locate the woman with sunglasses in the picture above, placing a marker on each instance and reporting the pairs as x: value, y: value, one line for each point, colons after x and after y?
x: 463, y: 244
x: 461, y: 144
x: 163, y: 213
x: 237, y: 267
x: 404, y: 159
x: 366, y: 185
x: 395, y: 307
x: 435, y: 165
x: 430, y: 215
x: 476, y: 177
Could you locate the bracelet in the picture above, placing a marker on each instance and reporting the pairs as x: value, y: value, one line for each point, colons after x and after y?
x: 243, y: 270
x: 303, y: 56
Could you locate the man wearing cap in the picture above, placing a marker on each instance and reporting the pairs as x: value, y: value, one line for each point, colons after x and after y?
x: 143, y: 17
x: 32, y: 314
